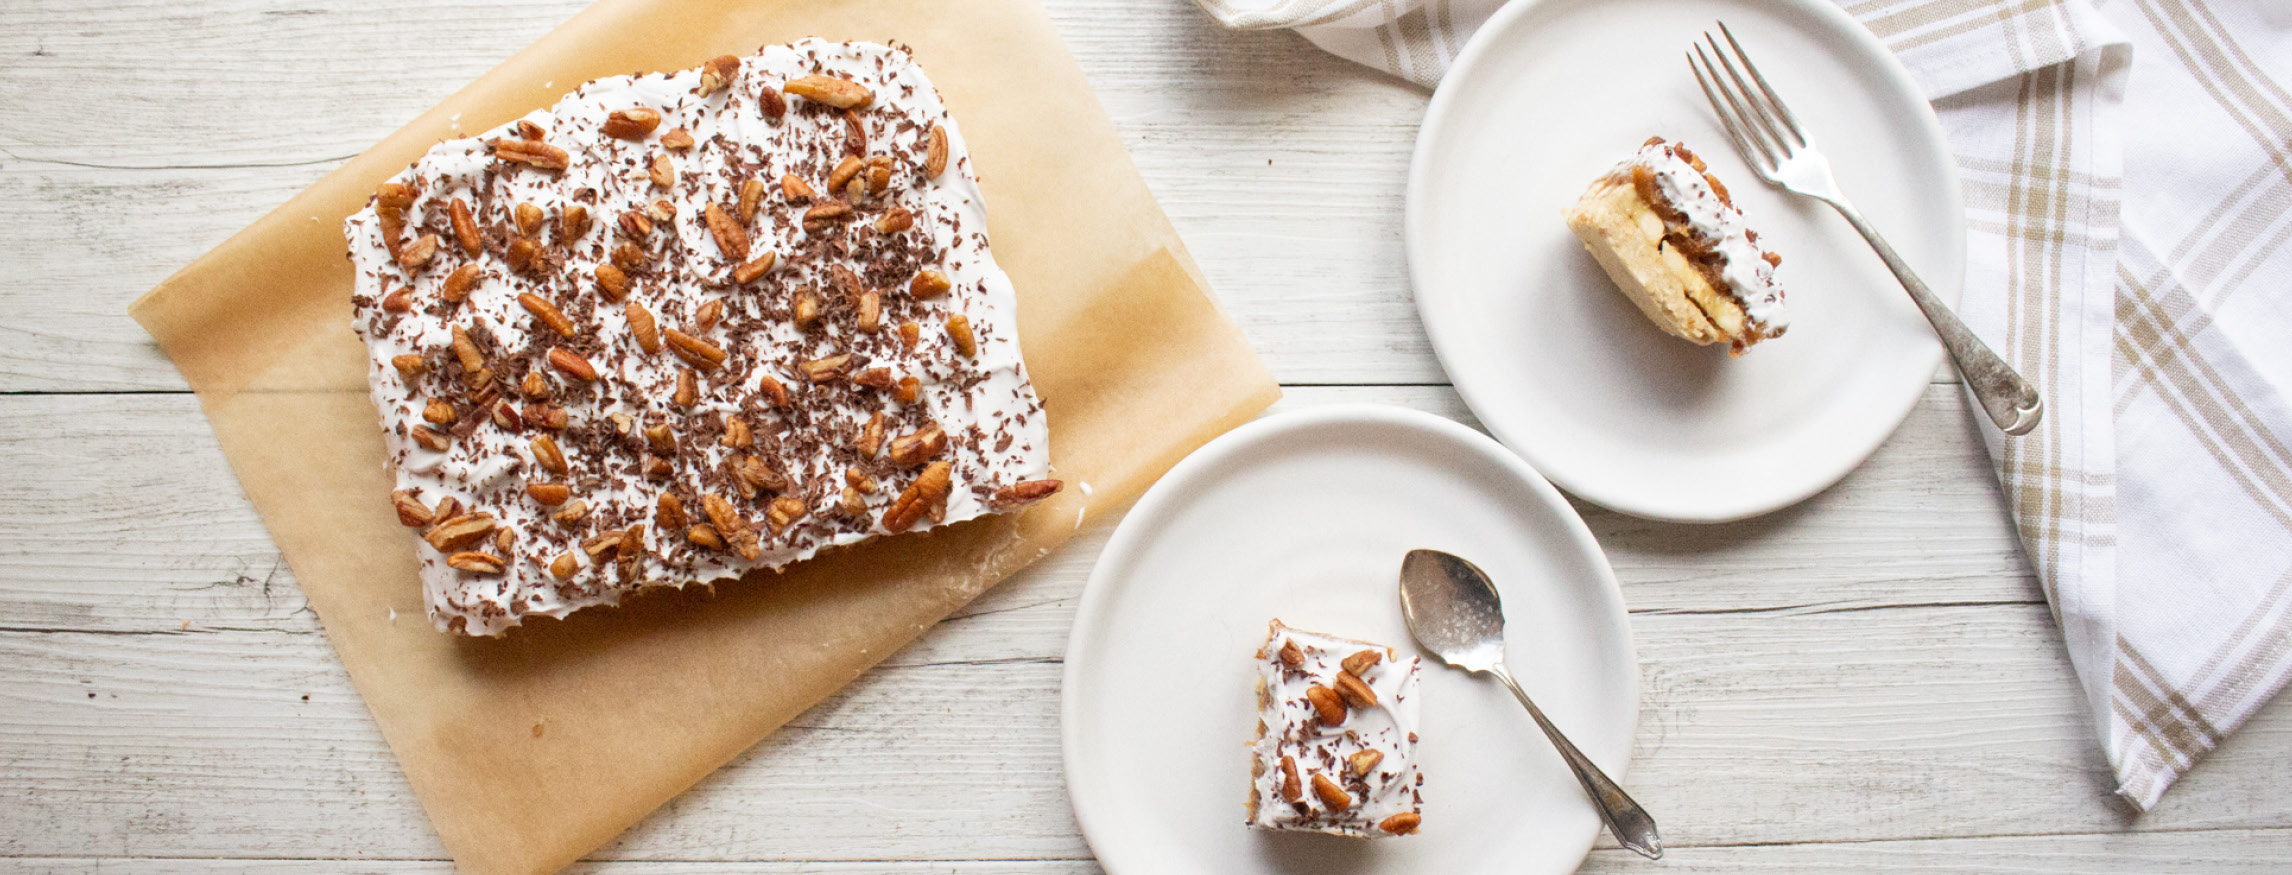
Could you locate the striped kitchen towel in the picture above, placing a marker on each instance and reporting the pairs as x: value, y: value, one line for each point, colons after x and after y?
x: 2141, y: 274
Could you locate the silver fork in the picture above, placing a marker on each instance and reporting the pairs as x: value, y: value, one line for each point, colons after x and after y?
x: 1770, y: 138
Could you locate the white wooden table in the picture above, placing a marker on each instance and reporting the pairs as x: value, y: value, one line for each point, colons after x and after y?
x: 1866, y: 682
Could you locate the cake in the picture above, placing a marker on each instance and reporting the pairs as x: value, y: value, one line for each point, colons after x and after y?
x: 1336, y: 741
x: 681, y: 326
x: 1667, y: 233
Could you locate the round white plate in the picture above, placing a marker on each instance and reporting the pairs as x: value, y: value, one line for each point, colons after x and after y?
x: 1558, y: 365
x: 1305, y: 517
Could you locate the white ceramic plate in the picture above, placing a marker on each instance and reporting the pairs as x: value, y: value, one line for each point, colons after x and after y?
x: 1305, y: 517
x: 1558, y: 365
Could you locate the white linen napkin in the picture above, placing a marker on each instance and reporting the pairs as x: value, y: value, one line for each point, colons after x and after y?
x: 2127, y: 249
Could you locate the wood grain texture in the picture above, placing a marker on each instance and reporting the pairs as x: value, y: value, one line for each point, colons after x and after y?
x: 1867, y: 682
x: 157, y: 704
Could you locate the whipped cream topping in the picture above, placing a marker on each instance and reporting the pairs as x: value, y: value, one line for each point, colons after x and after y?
x: 826, y: 434
x: 1747, y: 276
x: 1369, y: 755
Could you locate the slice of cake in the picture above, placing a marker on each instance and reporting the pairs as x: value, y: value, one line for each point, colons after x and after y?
x: 1336, y: 747
x: 1672, y: 240
x: 685, y: 325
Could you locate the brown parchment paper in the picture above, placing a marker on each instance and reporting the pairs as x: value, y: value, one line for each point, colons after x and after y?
x: 528, y: 751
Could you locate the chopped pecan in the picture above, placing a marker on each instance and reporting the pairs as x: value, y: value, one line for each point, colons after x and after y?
x: 460, y: 531
x: 750, y: 270
x: 923, y: 496
x: 548, y: 455
x: 529, y: 219
x: 613, y: 281
x: 412, y: 258
x: 677, y: 140
x: 923, y: 445
x: 751, y: 197
x: 550, y: 494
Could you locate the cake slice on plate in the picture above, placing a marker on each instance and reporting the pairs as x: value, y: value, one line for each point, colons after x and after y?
x: 1336, y: 746
x: 1667, y: 233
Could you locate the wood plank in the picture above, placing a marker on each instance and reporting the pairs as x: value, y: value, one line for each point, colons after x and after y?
x: 2219, y: 852
x: 1285, y: 176
x: 136, y: 525
x: 1757, y: 728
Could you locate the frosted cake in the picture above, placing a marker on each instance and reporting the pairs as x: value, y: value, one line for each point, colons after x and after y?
x: 1336, y: 741
x: 680, y: 326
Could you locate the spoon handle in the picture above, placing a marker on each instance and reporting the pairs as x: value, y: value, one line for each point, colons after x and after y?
x: 1630, y: 824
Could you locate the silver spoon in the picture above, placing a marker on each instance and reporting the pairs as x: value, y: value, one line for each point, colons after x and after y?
x: 1453, y: 610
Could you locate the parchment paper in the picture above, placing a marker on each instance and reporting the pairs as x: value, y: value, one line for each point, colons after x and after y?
x: 529, y: 751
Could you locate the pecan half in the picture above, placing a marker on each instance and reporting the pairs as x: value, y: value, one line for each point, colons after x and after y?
x: 412, y: 258
x: 459, y: 283
x: 547, y: 454
x: 751, y: 197
x: 935, y: 153
x: 730, y: 239
x: 572, y: 364
x: 613, y: 281
x: 835, y: 92
x: 717, y: 74
x: 634, y: 123
x: 959, y: 330
x: 1355, y: 691
x: 532, y: 153
x: 465, y: 227
x: 695, y: 351
x: 412, y: 513
x: 547, y: 313
x: 749, y: 271
x: 925, y: 444
x: 1404, y: 823
x: 459, y: 532
x: 641, y: 326
x: 1358, y: 664
x: 551, y: 494
x: 1028, y: 492
x: 1326, y: 703
x: 1331, y: 795
x: 475, y: 563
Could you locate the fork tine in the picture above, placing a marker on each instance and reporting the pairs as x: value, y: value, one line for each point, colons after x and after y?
x: 1751, y: 108
x: 1743, y: 145
x: 1753, y: 125
x: 1782, y: 109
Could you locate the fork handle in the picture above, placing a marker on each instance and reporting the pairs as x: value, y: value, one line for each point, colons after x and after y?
x: 2011, y: 402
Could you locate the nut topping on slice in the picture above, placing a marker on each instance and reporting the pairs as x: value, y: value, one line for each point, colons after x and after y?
x: 459, y: 532
x: 699, y: 353
x: 475, y: 563
x: 730, y: 239
x: 465, y: 227
x: 1330, y: 794
x: 1361, y: 762
x: 412, y: 258
x: 928, y: 284
x: 532, y: 153
x: 835, y: 92
x: 959, y: 330
x: 1404, y: 823
x: 718, y: 74
x: 1292, y: 789
x: 1029, y: 492
x: 412, y: 513
x: 459, y: 283
x: 641, y: 325
x: 1326, y: 704
x: 634, y: 123
x: 547, y: 313
x: 926, y: 494
x: 1356, y: 693
x: 677, y: 140
x: 1291, y: 654
x: 935, y: 153
x: 551, y: 494
x: 1358, y: 664
x: 572, y: 364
